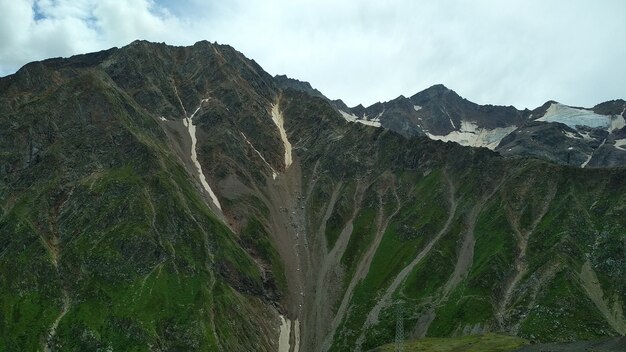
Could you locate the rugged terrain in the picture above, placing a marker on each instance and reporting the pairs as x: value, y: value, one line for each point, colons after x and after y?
x: 555, y: 132
x: 180, y: 198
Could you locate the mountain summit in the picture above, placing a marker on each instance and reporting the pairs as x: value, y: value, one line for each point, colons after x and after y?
x: 182, y: 199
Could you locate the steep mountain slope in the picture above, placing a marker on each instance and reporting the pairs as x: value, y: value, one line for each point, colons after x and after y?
x: 108, y: 238
x: 462, y: 240
x: 180, y: 198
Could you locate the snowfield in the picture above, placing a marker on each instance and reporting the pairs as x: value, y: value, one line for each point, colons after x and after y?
x: 191, y: 128
x: 278, y: 119
x: 573, y: 117
x: 353, y: 118
x: 620, y: 144
x: 283, y: 338
x: 473, y: 136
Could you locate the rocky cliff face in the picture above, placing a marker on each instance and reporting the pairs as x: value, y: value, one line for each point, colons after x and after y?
x: 554, y: 132
x: 180, y: 198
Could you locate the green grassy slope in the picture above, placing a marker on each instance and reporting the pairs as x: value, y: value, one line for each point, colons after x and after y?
x: 102, y: 226
x: 562, y: 217
x: 480, y: 343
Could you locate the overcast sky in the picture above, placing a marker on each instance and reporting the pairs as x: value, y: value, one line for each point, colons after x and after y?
x: 516, y: 52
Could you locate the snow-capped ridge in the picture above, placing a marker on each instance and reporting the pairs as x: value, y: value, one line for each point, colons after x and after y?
x: 576, y: 117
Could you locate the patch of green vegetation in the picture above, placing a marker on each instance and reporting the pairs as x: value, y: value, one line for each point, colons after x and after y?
x: 460, y: 311
x: 255, y: 238
x: 318, y: 199
x: 25, y: 318
x: 161, y: 307
x: 363, y: 233
x: 29, y: 285
x: 422, y: 217
x: 341, y: 213
x: 391, y: 257
x: 425, y: 213
x: 475, y: 343
x: 232, y: 323
x: 561, y: 223
x: 433, y: 271
x: 494, y: 251
x: 563, y: 312
x: 350, y: 328
x: 138, y: 255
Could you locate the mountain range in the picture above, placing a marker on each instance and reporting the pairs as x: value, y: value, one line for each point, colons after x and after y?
x: 161, y: 198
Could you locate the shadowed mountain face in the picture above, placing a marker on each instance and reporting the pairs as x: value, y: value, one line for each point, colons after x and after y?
x: 180, y: 198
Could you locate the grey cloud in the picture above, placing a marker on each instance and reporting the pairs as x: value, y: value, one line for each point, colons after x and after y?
x: 513, y: 53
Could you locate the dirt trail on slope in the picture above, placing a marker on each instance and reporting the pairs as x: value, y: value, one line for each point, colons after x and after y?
x: 285, y: 199
x: 465, y: 257
x: 327, y: 280
x: 521, y: 266
x: 321, y: 311
x: 590, y: 282
x: 48, y: 346
x: 536, y: 282
x: 372, y: 318
x: 363, y: 266
x: 53, y: 245
x: 464, y: 262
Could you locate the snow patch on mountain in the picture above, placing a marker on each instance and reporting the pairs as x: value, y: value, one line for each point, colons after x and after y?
x: 574, y: 117
x: 296, y: 334
x: 583, y: 165
x: 473, y: 136
x: 277, y: 117
x: 274, y: 173
x: 445, y: 111
x: 571, y: 135
x: 191, y: 128
x: 617, y: 123
x: 283, y: 337
x: 417, y: 107
x: 620, y: 144
x: 347, y: 116
x: 353, y: 118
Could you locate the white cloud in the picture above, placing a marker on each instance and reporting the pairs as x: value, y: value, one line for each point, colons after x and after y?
x: 514, y: 52
x: 67, y: 27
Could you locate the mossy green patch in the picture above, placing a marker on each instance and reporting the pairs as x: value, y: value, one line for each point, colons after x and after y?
x: 476, y: 343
